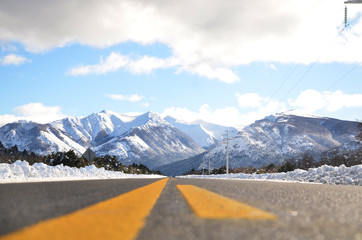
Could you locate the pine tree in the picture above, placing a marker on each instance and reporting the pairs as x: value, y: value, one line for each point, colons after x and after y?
x: 306, y: 162
x: 2, y: 148
x: 359, y: 136
x: 14, y: 150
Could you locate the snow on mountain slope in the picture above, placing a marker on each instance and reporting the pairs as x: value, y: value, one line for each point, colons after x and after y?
x: 277, y: 137
x: 207, y: 135
x: 154, y: 143
x: 217, y: 130
x: 39, y: 138
x: 96, y: 126
x: 144, y: 138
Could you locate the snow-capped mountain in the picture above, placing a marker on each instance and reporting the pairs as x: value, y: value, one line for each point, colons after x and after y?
x: 273, y: 139
x: 207, y: 135
x: 144, y: 138
x: 39, y: 138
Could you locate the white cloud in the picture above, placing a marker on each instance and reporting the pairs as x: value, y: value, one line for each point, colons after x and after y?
x: 228, y: 116
x: 8, y: 118
x: 116, y: 61
x: 147, y: 64
x: 253, y: 107
x: 35, y: 112
x: 208, y: 38
x: 131, y: 98
x: 273, y: 67
x: 146, y: 104
x: 113, y: 62
x: 262, y: 106
x: 179, y: 113
x: 13, y: 59
x: 311, y: 101
x: 251, y: 100
x: 206, y: 70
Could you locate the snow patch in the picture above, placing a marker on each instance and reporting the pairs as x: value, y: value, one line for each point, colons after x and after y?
x: 325, y: 174
x: 138, y: 142
x: 21, y: 171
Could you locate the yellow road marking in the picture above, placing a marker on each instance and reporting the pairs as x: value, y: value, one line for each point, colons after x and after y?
x: 118, y: 218
x: 207, y: 204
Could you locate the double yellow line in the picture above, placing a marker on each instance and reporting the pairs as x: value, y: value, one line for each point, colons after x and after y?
x: 124, y: 216
x: 207, y: 204
x: 118, y: 218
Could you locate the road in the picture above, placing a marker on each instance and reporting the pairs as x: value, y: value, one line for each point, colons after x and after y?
x: 303, y: 211
x: 23, y: 204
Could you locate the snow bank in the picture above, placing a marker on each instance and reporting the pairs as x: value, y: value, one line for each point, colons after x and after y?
x: 324, y: 174
x: 21, y: 171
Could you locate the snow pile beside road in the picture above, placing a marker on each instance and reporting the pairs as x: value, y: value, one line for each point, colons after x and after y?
x: 325, y: 174
x: 21, y: 171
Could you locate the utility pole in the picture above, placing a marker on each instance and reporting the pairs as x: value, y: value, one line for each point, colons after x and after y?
x: 203, y: 166
x: 227, y: 151
x: 209, y: 164
x: 345, y: 9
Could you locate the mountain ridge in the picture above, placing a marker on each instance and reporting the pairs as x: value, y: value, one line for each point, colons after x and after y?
x: 153, y: 141
x: 134, y: 139
x: 274, y: 139
x: 207, y: 135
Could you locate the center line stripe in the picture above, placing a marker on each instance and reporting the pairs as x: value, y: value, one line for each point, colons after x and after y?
x: 121, y: 217
x: 206, y: 204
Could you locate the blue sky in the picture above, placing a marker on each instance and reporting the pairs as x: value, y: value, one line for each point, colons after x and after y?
x: 226, y: 62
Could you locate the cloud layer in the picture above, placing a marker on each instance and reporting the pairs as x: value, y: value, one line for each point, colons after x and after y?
x: 131, y: 98
x: 206, y: 38
x: 13, y: 59
x: 36, y: 112
x: 147, y: 64
x: 311, y: 101
x: 253, y: 107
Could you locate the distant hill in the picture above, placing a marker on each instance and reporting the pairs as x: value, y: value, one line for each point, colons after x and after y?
x: 207, y: 135
x: 274, y: 139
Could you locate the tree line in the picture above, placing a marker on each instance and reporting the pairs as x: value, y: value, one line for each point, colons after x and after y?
x: 71, y: 159
x: 306, y: 161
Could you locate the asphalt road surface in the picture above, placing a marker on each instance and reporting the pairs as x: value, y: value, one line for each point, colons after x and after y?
x: 23, y: 204
x: 304, y: 211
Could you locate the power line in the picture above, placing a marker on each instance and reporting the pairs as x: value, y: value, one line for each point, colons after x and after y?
x: 344, y: 75
x: 295, y: 67
x: 311, y: 66
x: 318, y: 58
x: 285, y: 78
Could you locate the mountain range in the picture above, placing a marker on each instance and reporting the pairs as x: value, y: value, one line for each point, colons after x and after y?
x: 173, y: 146
x: 272, y: 140
x: 143, y: 138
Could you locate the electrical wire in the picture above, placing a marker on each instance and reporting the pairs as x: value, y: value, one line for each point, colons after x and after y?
x: 344, y: 75
x: 318, y: 58
x: 285, y: 78
x: 309, y: 68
